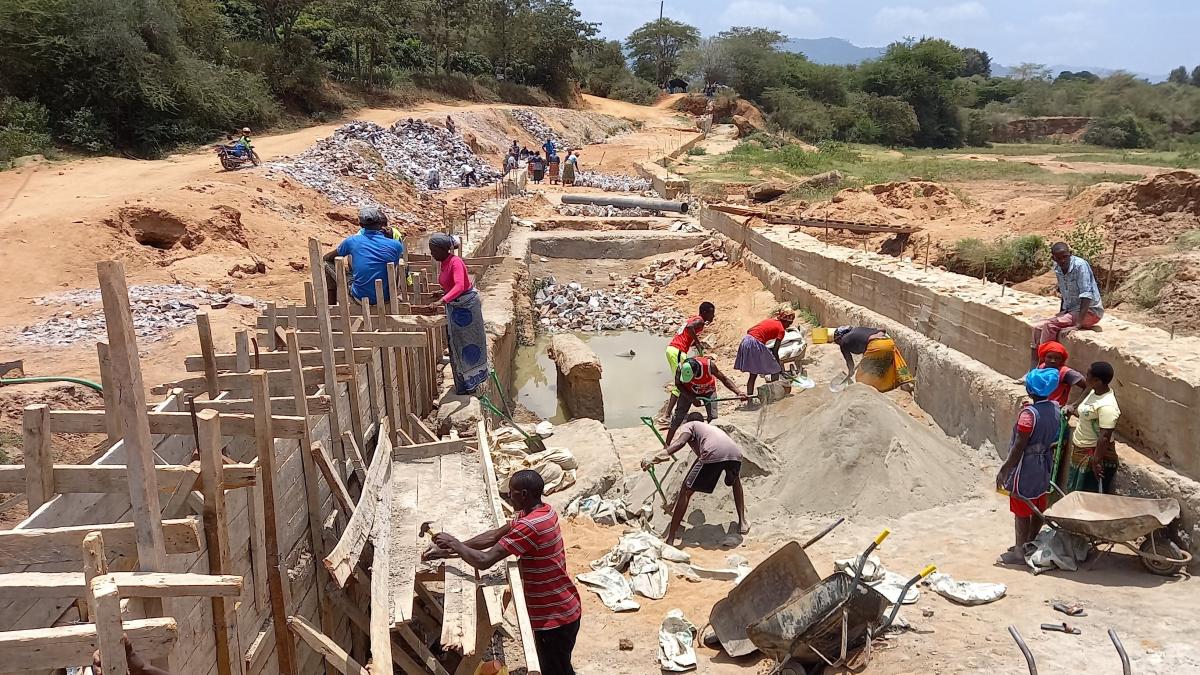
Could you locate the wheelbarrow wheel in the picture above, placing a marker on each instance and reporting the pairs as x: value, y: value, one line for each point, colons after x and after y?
x: 1163, y: 547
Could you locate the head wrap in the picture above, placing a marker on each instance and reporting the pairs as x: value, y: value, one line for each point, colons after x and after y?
x: 457, y: 241
x: 840, y: 332
x: 687, y: 370
x: 371, y: 216
x: 1051, y: 347
x: 442, y: 240
x: 784, y: 314
x: 1041, y: 382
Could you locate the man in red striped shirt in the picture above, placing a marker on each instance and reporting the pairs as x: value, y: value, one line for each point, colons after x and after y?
x: 535, y: 538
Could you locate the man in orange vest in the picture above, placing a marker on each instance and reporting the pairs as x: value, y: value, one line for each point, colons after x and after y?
x: 696, y: 380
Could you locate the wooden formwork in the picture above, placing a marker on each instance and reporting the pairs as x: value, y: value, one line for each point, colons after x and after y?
x: 272, y: 500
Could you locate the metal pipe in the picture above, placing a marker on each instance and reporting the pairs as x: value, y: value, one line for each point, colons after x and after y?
x: 627, y: 202
x: 1029, y: 662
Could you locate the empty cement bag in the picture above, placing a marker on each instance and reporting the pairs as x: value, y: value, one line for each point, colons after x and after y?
x: 611, y: 586
x: 968, y: 593
x: 648, y: 577
x: 675, y: 638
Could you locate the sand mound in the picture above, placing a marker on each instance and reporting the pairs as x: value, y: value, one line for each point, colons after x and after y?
x: 164, y: 230
x: 890, y: 203
x: 1149, y: 212
x: 860, y: 454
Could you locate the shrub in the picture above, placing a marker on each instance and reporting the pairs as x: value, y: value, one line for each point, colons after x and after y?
x: 510, y: 92
x: 1011, y: 259
x: 635, y: 90
x: 1086, y: 239
x: 696, y: 150
x: 1188, y: 241
x: 471, y: 63
x: 24, y: 129
x: 1118, y: 131
x: 1144, y: 285
x: 84, y: 130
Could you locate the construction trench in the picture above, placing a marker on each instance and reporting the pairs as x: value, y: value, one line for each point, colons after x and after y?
x: 278, y: 525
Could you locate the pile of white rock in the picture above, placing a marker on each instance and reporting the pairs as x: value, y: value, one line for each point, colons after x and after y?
x: 601, y: 211
x: 157, y: 310
x: 535, y: 126
x: 658, y: 274
x: 571, y: 307
x: 611, y: 182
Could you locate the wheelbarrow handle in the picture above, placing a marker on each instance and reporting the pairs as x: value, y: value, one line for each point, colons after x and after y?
x: 862, y: 559
x: 1112, y: 635
x: 1016, y: 636
x: 929, y: 569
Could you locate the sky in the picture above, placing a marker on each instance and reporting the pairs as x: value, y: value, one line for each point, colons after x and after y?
x: 1148, y: 36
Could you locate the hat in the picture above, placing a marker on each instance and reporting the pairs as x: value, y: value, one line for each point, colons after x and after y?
x: 687, y: 370
x: 245, y: 130
x: 1041, y: 382
x: 840, y: 332
x: 370, y: 215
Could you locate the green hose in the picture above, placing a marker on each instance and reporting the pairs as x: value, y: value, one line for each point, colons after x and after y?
x: 30, y: 380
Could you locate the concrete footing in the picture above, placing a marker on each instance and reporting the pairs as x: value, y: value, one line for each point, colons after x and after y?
x: 579, y: 372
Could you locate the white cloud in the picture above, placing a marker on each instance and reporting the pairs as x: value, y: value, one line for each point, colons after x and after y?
x: 1067, y: 22
x: 917, y: 20
x: 769, y: 14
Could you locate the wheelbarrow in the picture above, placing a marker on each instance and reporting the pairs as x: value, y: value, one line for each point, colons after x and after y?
x: 1144, y: 526
x: 833, y: 622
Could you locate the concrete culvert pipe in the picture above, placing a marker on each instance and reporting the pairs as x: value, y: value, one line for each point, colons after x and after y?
x: 623, y: 202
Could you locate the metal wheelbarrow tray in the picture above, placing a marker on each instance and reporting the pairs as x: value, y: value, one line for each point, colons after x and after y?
x: 1118, y: 520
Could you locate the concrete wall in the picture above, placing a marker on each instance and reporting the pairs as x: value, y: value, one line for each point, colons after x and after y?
x: 1158, y: 381
x: 617, y: 245
x: 665, y: 183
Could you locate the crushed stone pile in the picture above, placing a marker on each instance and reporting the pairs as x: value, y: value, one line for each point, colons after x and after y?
x: 535, y: 126
x: 662, y: 272
x: 1149, y: 212
x: 368, y: 152
x: 611, y: 182
x: 602, y: 211
x: 157, y: 310
x: 571, y: 307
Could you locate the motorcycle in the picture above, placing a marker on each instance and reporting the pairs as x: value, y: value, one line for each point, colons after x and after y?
x: 235, y: 156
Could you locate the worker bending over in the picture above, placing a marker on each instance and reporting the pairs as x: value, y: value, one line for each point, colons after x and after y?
x: 716, y: 453
x: 535, y: 538
x: 687, y: 337
x: 696, y: 381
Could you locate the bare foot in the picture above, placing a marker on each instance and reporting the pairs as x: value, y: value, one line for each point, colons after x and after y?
x: 744, y: 528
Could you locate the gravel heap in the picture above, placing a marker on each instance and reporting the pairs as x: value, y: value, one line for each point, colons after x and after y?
x: 571, y: 307
x: 611, y: 182
x: 533, y: 124
x: 658, y: 274
x: 366, y: 151
x: 604, y: 211
x: 157, y: 310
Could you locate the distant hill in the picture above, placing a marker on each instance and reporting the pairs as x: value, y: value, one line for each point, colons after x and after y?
x: 832, y: 51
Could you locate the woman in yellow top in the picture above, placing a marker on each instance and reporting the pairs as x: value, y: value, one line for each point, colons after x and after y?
x: 881, y: 366
x: 1093, y: 455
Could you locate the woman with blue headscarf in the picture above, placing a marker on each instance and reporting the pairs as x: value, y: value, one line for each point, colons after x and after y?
x: 464, y: 317
x: 1025, y: 475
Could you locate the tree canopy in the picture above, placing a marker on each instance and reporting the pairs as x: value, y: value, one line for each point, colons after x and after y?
x: 656, y: 47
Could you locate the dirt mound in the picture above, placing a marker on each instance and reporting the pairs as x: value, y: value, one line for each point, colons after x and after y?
x: 860, y: 454
x: 164, y: 230
x: 1149, y: 212
x: 693, y: 104
x: 1060, y: 129
x: 890, y: 203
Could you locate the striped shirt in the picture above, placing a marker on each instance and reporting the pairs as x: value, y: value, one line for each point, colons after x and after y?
x: 536, y: 540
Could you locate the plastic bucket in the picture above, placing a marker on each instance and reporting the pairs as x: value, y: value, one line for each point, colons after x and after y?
x: 820, y: 335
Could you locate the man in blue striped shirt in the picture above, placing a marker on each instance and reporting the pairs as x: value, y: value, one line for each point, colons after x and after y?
x: 1081, y: 305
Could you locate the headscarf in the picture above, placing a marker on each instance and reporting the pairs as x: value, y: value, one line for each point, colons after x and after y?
x: 687, y: 370
x: 1041, y: 382
x: 372, y: 217
x: 442, y: 240
x: 1051, y: 347
x: 840, y: 332
x: 784, y: 315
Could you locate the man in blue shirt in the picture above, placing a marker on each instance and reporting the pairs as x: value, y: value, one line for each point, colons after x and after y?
x: 1081, y: 306
x: 370, y: 251
x: 549, y: 147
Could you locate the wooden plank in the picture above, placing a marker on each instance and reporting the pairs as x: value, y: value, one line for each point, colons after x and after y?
x: 112, y: 416
x: 406, y: 452
x: 325, y: 329
x: 216, y: 536
x: 344, y: 557
x: 265, y: 441
x: 373, y: 369
x: 54, y: 648
x: 94, y: 564
x: 207, y: 358
x: 421, y: 650
x: 111, y: 478
x: 260, y: 648
x: 341, y: 496
x: 459, y: 604
x: 326, y: 647
x: 347, y: 338
x: 104, y: 605
x: 257, y: 541
x: 381, y: 597
x: 281, y: 381
x: 175, y: 423
x: 39, y: 461
x: 367, y: 340
x: 405, y: 541
x: 130, y: 584
x: 424, y: 430
x: 35, y: 546
x: 273, y: 360
x: 280, y: 405
x: 355, y: 456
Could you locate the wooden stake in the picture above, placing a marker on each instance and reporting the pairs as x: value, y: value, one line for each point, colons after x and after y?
x: 272, y: 322
x: 131, y: 399
x: 207, y: 352
x: 94, y: 564
x: 373, y: 391
x: 1112, y: 261
x: 326, y: 331
x: 285, y: 648
x: 381, y: 575
x: 112, y: 418
x: 104, y: 604
x: 341, y: 496
x: 39, y: 461
x: 343, y: 291
x: 326, y: 647
x: 216, y: 537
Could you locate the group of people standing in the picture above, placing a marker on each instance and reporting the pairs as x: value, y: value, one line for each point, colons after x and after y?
x: 548, y: 167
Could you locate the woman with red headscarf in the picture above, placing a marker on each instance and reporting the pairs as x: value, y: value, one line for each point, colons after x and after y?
x: 1053, y: 355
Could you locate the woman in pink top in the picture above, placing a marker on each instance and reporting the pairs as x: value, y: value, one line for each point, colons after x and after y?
x: 464, y: 317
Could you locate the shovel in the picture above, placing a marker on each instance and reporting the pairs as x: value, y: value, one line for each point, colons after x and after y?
x: 841, y: 383
x: 650, y: 469
x: 533, y: 443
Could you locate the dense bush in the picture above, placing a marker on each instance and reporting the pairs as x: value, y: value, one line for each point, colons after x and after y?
x: 24, y: 129
x: 1118, y: 131
x: 1006, y: 259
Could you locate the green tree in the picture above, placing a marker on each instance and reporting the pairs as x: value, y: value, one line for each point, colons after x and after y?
x: 1178, y: 75
x: 922, y: 74
x: 656, y: 48
x: 894, y: 119
x: 1196, y: 76
x: 753, y: 61
x: 1030, y: 71
x: 976, y: 62
x: 1118, y: 131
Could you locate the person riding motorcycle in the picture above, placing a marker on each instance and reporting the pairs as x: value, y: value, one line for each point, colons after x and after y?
x: 243, y: 146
